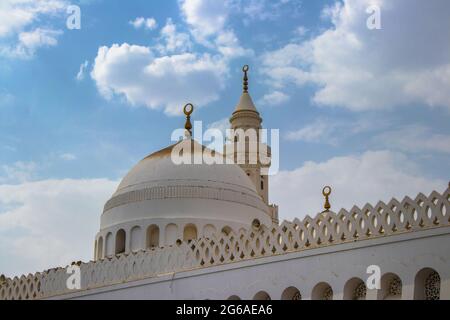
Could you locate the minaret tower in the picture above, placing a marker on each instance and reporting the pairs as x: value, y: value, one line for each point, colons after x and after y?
x: 246, y: 117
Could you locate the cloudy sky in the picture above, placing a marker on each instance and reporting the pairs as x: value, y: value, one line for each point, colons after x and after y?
x: 365, y: 111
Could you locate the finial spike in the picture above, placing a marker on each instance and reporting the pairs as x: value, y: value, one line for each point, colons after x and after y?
x: 326, y: 193
x: 188, y: 109
x: 245, y: 69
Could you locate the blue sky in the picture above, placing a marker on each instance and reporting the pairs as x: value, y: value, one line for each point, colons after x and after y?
x: 366, y: 111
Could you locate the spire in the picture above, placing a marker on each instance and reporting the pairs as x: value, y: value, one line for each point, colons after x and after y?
x: 246, y: 102
x: 245, y: 69
x: 188, y: 109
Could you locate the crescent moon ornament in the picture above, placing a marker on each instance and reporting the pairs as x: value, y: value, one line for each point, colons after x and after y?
x: 188, y: 109
x: 326, y: 191
x: 245, y: 81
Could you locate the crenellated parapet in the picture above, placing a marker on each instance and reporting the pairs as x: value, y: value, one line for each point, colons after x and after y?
x: 325, y: 229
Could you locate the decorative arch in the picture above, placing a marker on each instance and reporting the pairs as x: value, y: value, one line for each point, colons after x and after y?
x: 190, y: 232
x: 427, y: 285
x: 109, y: 245
x: 171, y: 234
x: 136, y: 238
x: 262, y: 295
x: 100, y: 248
x: 355, y: 289
x: 209, y: 231
x: 120, y: 241
x: 391, y: 287
x: 152, y: 237
x: 291, y: 293
x: 322, y: 291
x: 226, y: 230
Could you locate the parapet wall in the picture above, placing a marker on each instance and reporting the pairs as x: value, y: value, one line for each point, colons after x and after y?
x: 326, y: 229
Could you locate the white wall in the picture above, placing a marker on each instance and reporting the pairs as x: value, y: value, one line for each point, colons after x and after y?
x: 404, y: 255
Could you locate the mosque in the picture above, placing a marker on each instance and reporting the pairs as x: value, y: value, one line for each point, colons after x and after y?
x: 208, y: 231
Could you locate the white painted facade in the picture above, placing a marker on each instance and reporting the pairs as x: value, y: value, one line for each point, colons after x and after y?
x: 339, y: 267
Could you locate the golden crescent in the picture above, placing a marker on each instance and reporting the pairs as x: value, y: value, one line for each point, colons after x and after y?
x: 326, y: 191
x: 188, y: 109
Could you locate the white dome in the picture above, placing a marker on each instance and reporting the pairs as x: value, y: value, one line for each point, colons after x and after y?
x: 159, y: 192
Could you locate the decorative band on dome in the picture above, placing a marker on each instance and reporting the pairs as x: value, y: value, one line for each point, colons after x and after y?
x: 186, y: 192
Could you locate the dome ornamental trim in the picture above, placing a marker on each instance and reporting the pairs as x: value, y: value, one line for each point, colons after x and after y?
x: 185, y: 192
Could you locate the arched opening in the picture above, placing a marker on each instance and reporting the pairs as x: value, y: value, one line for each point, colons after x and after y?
x: 391, y: 287
x: 120, y: 241
x: 427, y: 285
x: 171, y: 234
x: 209, y: 231
x: 226, y: 230
x: 262, y: 295
x: 109, y: 250
x: 190, y: 232
x: 136, y: 239
x: 152, y: 237
x: 355, y: 289
x: 234, y: 298
x: 291, y: 293
x: 322, y: 291
x: 100, y: 248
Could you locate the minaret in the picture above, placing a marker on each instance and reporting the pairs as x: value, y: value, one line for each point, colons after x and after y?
x: 246, y: 117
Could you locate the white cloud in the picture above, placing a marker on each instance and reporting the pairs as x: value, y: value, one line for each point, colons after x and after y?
x: 301, y: 31
x: 264, y: 10
x: 405, y: 62
x: 166, y: 82
x: 172, y: 40
x: 81, y: 72
x: 355, y: 179
x: 38, y: 38
x: 147, y: 23
x: 17, y: 172
x: 15, y: 15
x: 415, y: 139
x: 317, y: 131
x: 29, y: 41
x: 208, y: 24
x: 228, y: 45
x: 17, y: 18
x: 68, y: 156
x: 49, y: 223
x: 333, y: 130
x: 274, y: 98
x: 207, y: 17
x: 169, y: 74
